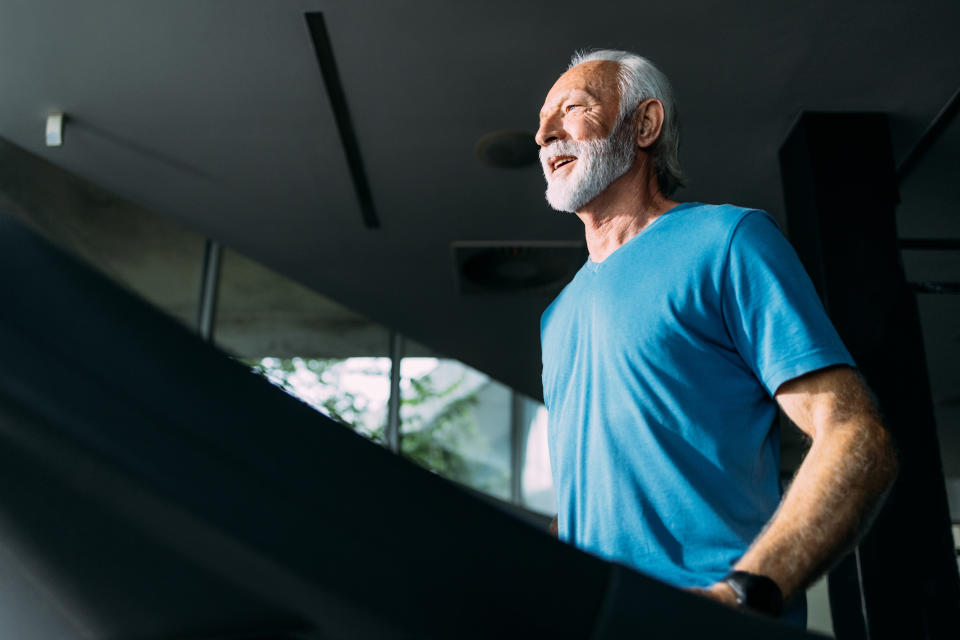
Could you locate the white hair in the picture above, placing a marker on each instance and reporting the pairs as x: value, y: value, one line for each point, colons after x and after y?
x: 639, y: 80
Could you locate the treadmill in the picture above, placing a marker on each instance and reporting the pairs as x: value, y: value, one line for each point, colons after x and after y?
x: 153, y: 487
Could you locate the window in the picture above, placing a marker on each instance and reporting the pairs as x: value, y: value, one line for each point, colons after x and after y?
x: 453, y: 420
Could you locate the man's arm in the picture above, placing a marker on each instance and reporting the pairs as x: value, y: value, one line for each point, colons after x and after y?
x: 838, y: 488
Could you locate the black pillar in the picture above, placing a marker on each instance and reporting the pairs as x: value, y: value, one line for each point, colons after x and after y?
x: 840, y: 192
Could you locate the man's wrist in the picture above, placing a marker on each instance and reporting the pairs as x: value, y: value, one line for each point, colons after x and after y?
x: 756, y: 592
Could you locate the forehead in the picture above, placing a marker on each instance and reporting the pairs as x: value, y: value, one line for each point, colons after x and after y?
x: 598, y: 78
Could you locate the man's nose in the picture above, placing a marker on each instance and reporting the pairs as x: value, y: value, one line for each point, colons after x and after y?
x: 548, y: 132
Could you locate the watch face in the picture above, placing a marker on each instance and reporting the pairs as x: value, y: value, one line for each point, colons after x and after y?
x: 756, y: 592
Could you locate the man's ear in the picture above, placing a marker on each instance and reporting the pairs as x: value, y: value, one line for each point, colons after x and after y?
x: 649, y: 122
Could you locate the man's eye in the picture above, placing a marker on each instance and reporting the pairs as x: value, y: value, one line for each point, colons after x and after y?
x: 571, y: 107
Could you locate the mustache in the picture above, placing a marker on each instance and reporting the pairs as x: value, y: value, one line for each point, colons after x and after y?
x: 561, y: 148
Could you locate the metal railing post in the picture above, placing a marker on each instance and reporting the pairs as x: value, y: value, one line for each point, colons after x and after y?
x: 393, y: 406
x: 209, y: 285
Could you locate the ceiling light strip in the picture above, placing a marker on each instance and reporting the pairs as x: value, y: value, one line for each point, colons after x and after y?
x: 338, y: 101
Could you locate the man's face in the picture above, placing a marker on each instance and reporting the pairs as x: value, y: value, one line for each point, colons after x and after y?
x: 583, y: 147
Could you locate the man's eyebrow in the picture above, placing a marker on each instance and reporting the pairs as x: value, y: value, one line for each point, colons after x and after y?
x: 553, y: 104
x: 566, y: 96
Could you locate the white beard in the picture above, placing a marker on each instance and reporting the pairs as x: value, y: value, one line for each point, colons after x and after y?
x: 598, y: 164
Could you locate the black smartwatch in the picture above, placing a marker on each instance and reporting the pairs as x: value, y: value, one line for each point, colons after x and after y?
x: 755, y: 592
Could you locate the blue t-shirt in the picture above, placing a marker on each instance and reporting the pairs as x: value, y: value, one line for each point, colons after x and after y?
x: 659, y: 369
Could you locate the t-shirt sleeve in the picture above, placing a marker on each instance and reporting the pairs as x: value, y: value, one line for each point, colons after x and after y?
x: 771, y: 309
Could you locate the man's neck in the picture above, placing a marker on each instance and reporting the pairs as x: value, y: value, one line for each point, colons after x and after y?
x: 623, y: 210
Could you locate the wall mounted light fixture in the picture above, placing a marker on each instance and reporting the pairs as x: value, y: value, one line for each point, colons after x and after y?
x: 54, y: 129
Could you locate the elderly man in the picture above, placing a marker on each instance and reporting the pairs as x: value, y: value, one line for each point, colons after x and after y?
x: 665, y: 358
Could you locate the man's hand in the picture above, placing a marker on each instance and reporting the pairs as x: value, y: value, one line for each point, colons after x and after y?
x: 721, y: 592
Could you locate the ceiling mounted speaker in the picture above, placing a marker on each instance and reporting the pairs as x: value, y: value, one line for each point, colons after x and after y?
x: 516, y: 267
x: 508, y: 149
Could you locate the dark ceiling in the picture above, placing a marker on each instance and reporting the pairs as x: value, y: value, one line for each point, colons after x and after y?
x: 214, y: 113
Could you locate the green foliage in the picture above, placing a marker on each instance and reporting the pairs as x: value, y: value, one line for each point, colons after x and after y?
x: 340, y: 405
x: 435, y: 444
x: 439, y: 424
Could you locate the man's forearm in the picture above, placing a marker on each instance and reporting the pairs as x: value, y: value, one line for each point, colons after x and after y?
x: 832, y: 500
